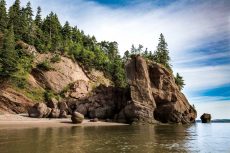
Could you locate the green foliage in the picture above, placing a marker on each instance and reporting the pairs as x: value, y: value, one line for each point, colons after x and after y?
x: 161, y: 55
x: 56, y: 58
x: 3, y: 16
x: 118, y: 73
x: 49, y: 35
x: 45, y: 66
x: 8, y: 55
x: 38, y: 18
x: 48, y: 95
x: 179, y: 81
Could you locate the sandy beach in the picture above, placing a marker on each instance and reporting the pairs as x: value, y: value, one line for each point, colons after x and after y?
x: 12, y: 121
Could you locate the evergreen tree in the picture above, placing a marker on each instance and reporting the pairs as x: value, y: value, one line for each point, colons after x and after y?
x: 118, y: 73
x: 179, y: 81
x: 15, y: 18
x: 38, y: 18
x: 8, y: 55
x: 3, y: 16
x: 139, y: 49
x: 29, y: 13
x: 161, y: 55
x: 66, y: 31
x: 133, y: 50
x: 126, y: 56
x: 52, y: 28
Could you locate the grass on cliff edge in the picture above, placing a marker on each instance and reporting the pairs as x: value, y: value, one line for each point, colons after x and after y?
x: 21, y: 85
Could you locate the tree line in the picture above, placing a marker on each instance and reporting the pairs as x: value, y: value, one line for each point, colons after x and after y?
x: 48, y: 35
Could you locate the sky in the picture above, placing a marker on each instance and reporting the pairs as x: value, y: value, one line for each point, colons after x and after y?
x: 197, y: 33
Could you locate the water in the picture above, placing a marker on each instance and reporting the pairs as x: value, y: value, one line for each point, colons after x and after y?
x: 204, y: 138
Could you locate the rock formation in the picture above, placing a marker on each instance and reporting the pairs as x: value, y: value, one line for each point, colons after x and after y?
x: 155, y: 95
x: 77, y: 118
x: 151, y: 96
x: 12, y: 101
x: 205, y: 118
x: 39, y: 110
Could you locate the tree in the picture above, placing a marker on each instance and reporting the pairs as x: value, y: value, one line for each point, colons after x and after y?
x: 118, y: 73
x: 15, y: 18
x: 126, y: 56
x: 133, y: 50
x: 179, y: 81
x: 8, y: 55
x: 66, y: 31
x: 161, y: 55
x: 3, y: 16
x: 52, y: 30
x: 29, y: 13
x: 38, y: 18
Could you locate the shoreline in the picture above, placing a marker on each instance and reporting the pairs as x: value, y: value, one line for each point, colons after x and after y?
x: 15, y: 121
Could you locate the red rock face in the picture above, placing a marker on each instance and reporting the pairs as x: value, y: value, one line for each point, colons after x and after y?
x: 152, y: 97
x: 13, y: 102
x: 155, y: 95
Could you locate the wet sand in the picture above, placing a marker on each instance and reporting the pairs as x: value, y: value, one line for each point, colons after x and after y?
x: 11, y: 121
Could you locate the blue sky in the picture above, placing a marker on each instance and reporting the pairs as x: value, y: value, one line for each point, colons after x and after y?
x: 197, y: 32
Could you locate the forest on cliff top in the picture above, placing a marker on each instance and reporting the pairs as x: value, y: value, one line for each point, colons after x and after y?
x: 20, y: 23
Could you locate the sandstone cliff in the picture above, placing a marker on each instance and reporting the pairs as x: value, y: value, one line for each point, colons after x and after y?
x: 151, y: 96
x: 155, y: 94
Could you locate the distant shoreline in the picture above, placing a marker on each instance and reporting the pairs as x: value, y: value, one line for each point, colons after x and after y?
x: 15, y: 121
x: 217, y: 121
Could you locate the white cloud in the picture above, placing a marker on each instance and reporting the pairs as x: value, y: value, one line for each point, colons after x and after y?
x: 216, y: 106
x: 202, y: 78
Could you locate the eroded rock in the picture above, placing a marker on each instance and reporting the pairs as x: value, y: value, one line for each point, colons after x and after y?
x: 206, y: 118
x: 39, y: 110
x: 77, y: 118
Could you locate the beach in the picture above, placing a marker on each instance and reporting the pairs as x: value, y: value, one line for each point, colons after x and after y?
x: 23, y: 121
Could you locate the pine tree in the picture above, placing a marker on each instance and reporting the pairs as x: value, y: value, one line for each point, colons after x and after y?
x: 8, y: 55
x: 52, y: 30
x: 126, y: 56
x: 3, y: 16
x: 179, y: 81
x: 161, y: 55
x: 38, y: 18
x: 29, y: 13
x: 27, y: 24
x: 66, y: 31
x: 15, y: 18
x: 133, y: 50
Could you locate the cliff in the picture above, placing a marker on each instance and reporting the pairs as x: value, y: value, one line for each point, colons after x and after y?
x: 155, y: 95
x: 152, y: 95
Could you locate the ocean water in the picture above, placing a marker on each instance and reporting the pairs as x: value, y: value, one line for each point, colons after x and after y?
x: 196, y: 138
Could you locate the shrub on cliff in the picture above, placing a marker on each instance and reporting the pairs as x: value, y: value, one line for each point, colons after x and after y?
x: 45, y: 65
x: 179, y: 81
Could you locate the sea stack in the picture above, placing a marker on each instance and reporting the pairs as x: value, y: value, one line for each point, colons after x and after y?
x: 206, y: 118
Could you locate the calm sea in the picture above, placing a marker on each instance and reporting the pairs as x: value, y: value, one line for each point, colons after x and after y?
x: 201, y: 138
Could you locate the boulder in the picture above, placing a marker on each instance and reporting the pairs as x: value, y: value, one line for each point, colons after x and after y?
x: 63, y: 114
x: 63, y: 106
x: 205, y: 118
x: 79, y: 89
x: 77, y: 118
x: 94, y: 120
x: 52, y: 103
x: 55, y: 113
x: 39, y: 110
